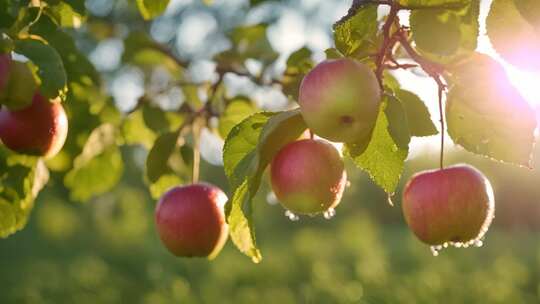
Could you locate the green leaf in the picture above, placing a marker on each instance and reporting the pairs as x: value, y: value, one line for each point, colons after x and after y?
x: 135, y: 131
x: 155, y: 118
x: 237, y: 110
x: 398, y: 125
x: 51, y: 69
x: 447, y: 4
x: 65, y: 15
x: 418, y: 117
x: 514, y: 30
x: 77, y: 5
x: 141, y: 50
x: 21, y: 179
x: 487, y: 115
x: 163, y: 184
x: 152, y: 8
x: 191, y: 93
x: 333, y: 53
x: 248, y: 42
x: 158, y: 157
x: 98, y: 168
x: 78, y: 68
x: 9, y: 10
x: 357, y: 37
x: 383, y: 159
x: 8, y: 218
x: 299, y: 64
x: 444, y: 33
x: 248, y: 150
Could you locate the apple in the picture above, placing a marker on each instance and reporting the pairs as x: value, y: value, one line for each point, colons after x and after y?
x: 19, y: 86
x: 308, y: 176
x: 17, y: 83
x: 39, y: 129
x: 452, y: 205
x: 190, y: 220
x: 340, y: 99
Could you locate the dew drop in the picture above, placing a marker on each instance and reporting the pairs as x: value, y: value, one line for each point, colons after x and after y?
x: 390, y: 201
x: 348, y: 184
x: 271, y: 198
x: 478, y: 243
x: 434, y: 250
x: 293, y: 217
x: 330, y: 213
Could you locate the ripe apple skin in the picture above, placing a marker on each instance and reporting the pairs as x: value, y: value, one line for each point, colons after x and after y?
x: 39, y: 129
x: 308, y: 176
x: 454, y: 204
x: 340, y: 99
x: 190, y: 220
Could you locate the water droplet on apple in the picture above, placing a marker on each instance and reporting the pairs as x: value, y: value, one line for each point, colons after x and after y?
x: 293, y: 217
x: 330, y: 213
x: 434, y: 250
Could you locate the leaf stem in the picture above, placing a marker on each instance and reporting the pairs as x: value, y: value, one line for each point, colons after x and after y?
x: 441, y: 113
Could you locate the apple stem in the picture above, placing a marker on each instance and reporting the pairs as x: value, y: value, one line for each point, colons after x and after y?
x: 441, y: 113
x: 196, y: 130
x: 311, y: 135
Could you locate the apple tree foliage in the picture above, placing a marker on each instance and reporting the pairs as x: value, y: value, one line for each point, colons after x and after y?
x: 484, y: 113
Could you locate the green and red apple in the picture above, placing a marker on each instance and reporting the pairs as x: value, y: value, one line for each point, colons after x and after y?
x: 39, y: 129
x: 190, y: 220
x: 340, y: 99
x: 451, y: 205
x: 308, y: 176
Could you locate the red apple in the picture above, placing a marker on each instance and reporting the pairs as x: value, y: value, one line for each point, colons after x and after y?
x: 308, y: 176
x: 39, y: 129
x: 340, y: 99
x: 454, y: 204
x: 190, y: 220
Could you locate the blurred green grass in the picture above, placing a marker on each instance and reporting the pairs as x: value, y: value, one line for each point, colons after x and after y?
x: 106, y: 251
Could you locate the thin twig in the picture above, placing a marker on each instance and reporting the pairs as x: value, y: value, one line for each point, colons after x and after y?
x: 441, y: 113
x: 196, y: 130
x: 388, y: 44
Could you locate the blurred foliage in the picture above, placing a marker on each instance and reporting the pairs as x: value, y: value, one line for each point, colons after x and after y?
x: 108, y: 252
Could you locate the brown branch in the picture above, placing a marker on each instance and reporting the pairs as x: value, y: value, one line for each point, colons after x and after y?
x: 388, y: 43
x: 433, y: 69
x: 397, y: 66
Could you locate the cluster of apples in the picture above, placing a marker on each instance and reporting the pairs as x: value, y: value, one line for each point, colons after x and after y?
x: 340, y: 102
x: 40, y: 127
